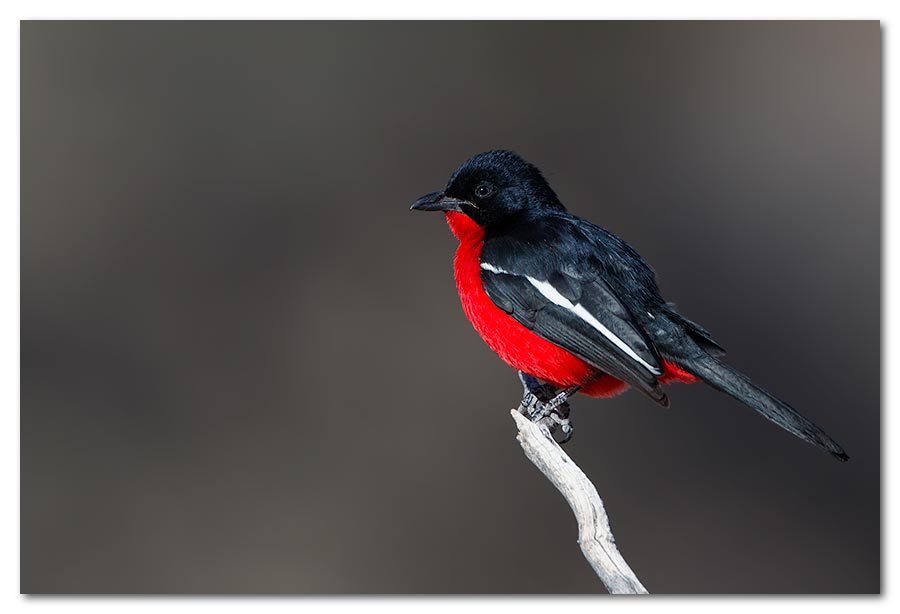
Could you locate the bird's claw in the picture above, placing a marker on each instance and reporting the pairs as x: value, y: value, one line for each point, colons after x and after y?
x: 565, y: 426
x: 555, y: 418
x: 543, y: 403
x: 533, y: 407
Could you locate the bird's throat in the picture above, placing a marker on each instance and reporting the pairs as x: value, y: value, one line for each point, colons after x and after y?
x: 464, y: 227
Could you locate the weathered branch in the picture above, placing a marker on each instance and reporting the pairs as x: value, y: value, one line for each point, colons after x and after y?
x: 594, y: 535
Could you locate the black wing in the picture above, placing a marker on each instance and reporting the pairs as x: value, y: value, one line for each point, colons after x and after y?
x: 574, y: 308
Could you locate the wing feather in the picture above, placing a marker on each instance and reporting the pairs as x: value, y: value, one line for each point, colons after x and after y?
x: 583, y: 316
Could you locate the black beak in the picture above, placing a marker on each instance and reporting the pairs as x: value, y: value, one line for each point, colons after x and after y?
x: 436, y: 201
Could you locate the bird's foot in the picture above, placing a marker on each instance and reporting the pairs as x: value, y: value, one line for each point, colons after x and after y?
x: 546, y: 404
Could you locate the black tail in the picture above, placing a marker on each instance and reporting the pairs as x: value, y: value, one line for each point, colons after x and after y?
x: 722, y: 377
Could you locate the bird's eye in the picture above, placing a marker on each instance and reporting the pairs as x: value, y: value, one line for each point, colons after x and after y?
x: 483, y: 190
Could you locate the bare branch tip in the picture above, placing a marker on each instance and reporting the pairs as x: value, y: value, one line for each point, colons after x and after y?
x: 585, y: 502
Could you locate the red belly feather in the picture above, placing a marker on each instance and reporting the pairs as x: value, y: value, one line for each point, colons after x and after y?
x: 514, y: 343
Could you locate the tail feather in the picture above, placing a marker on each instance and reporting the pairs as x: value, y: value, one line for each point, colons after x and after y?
x: 733, y: 383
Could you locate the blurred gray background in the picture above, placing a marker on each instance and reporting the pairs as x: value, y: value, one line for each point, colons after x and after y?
x: 245, y: 368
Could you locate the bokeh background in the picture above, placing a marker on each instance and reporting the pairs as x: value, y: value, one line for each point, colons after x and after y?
x: 244, y: 364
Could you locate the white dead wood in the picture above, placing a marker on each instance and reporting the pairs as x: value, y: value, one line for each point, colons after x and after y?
x: 594, y: 534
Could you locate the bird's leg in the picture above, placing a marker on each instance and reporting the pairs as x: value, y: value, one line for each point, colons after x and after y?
x: 536, y: 395
x: 545, y: 403
x: 531, y: 397
x: 562, y: 397
x: 559, y: 410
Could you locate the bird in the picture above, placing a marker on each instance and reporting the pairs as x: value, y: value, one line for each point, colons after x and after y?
x: 572, y: 306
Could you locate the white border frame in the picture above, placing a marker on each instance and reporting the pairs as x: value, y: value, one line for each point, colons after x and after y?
x: 13, y: 11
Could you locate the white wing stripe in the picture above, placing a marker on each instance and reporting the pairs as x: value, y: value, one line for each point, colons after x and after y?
x: 553, y: 295
x: 487, y: 266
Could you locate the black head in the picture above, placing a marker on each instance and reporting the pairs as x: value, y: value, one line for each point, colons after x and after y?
x: 491, y: 188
